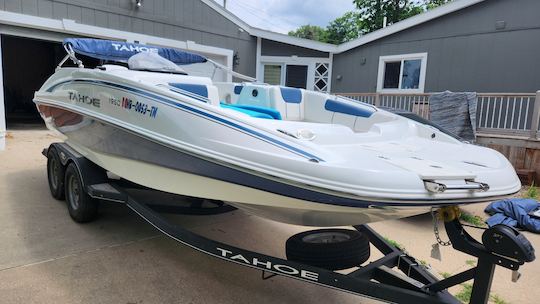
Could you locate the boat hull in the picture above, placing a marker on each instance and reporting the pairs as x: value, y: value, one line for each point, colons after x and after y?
x: 155, y: 165
x: 133, y: 125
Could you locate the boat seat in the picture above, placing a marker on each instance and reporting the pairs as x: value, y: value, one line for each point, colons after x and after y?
x: 289, y: 102
x: 253, y: 111
x: 335, y: 111
x: 201, y: 92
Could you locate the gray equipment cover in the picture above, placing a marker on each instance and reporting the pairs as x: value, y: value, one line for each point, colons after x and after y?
x: 455, y: 112
x: 150, y: 61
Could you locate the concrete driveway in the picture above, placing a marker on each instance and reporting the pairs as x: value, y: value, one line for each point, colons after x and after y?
x: 45, y: 257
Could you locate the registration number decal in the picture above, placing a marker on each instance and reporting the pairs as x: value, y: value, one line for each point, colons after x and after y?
x: 135, y: 106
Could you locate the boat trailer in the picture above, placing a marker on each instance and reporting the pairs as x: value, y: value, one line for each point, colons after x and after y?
x: 396, y: 277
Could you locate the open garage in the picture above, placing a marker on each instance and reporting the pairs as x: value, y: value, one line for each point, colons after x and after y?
x: 26, y: 64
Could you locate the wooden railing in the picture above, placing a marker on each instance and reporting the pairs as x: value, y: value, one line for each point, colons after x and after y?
x: 497, y: 113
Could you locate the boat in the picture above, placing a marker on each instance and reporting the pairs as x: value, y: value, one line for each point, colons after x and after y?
x: 286, y: 154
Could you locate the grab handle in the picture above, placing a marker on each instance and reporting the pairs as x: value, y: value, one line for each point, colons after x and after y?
x: 437, y: 187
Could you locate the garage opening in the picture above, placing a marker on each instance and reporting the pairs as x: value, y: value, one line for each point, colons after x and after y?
x: 26, y: 64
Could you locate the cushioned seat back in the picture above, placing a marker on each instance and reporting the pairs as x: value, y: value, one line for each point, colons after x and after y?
x: 288, y: 101
x: 201, y: 92
x: 254, y: 95
x: 314, y: 109
x: 323, y: 108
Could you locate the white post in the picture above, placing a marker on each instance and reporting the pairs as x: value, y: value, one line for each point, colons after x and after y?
x: 535, y: 116
x: 377, y: 99
x: 2, y: 109
x: 258, y: 71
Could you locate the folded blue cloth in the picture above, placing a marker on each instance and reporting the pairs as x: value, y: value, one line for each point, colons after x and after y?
x: 514, y: 212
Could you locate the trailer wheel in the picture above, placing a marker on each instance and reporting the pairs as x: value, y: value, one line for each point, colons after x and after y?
x: 55, y: 174
x: 332, y: 249
x: 82, y: 208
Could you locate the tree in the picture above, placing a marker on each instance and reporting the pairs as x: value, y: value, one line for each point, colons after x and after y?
x: 345, y: 28
x: 312, y: 32
x: 434, y: 3
x: 368, y: 17
x: 374, y: 11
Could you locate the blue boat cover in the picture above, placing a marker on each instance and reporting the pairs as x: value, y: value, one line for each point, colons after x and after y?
x: 514, y: 212
x: 121, y: 51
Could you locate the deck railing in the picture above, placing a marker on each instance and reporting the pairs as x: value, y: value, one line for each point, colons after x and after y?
x: 497, y: 113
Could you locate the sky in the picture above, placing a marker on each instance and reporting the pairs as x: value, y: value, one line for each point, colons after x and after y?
x: 285, y: 15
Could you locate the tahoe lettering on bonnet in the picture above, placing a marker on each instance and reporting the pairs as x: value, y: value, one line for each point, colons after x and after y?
x: 284, y: 269
x: 133, y: 48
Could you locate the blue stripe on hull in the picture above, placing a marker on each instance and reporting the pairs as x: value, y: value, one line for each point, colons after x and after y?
x: 197, y: 111
x: 121, y: 142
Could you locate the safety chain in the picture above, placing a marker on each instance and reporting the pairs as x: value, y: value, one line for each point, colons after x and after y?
x: 435, y: 217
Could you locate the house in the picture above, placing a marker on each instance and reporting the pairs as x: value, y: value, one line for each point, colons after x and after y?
x: 482, y: 46
x: 467, y: 45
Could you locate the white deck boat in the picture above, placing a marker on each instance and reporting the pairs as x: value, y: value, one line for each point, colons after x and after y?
x: 287, y: 154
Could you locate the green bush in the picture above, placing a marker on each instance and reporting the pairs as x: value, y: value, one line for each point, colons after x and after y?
x: 472, y: 219
x: 532, y: 192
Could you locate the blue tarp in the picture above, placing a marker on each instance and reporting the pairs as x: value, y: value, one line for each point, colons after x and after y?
x: 121, y: 51
x: 514, y: 212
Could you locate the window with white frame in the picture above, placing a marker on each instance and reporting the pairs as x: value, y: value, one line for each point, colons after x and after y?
x: 322, y: 72
x: 312, y: 73
x: 272, y: 74
x: 402, y: 73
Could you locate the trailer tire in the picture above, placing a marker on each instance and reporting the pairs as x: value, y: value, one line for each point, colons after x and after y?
x: 333, y: 249
x: 82, y: 208
x: 55, y: 174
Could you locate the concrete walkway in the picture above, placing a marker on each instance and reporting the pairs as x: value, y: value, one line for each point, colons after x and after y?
x: 47, y: 258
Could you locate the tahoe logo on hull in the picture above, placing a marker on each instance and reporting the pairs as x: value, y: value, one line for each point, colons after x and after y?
x: 85, y: 99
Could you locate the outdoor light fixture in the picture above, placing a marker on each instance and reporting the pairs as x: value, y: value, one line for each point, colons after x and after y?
x: 138, y: 3
x: 236, y: 59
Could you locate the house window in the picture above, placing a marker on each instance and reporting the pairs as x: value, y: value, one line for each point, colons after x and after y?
x: 402, y: 73
x: 299, y: 72
x: 321, y: 77
x: 272, y: 74
x: 296, y: 76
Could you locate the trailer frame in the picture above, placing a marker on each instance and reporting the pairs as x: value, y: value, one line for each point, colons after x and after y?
x: 378, y: 279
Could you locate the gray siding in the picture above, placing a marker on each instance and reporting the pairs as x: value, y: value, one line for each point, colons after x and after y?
x: 465, y: 51
x: 181, y: 20
x: 274, y: 48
